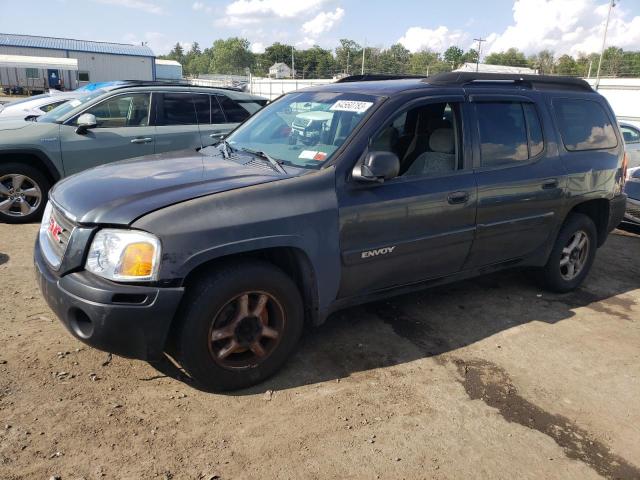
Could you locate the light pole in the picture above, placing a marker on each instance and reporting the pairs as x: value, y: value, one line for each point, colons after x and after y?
x: 364, y: 49
x: 612, y: 4
x: 479, y: 40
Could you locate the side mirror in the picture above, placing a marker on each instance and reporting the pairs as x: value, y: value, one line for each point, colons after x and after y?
x: 377, y: 167
x: 85, y: 122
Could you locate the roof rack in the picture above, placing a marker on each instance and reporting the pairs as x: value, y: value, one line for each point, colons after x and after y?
x: 372, y: 77
x: 166, y: 83
x: 532, y: 81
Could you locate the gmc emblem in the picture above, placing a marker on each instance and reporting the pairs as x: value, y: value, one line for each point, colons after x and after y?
x: 55, y: 230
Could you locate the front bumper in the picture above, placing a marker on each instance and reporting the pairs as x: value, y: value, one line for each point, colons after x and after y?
x: 632, y: 213
x: 131, y: 321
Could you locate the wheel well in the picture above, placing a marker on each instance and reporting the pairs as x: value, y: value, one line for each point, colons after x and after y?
x: 33, y: 160
x: 598, y: 211
x: 293, y: 261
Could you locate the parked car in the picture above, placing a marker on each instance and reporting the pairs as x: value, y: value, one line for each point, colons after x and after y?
x: 631, y: 136
x: 31, y: 108
x: 120, y: 121
x: 220, y: 256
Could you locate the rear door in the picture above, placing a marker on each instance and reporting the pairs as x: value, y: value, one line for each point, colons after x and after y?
x: 520, y: 177
x: 122, y: 131
x: 419, y: 225
x: 176, y: 122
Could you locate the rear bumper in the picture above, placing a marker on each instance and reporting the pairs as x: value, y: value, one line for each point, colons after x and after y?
x: 617, y: 208
x: 131, y: 321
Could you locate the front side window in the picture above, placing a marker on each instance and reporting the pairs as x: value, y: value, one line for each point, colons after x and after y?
x: 303, y: 129
x: 425, y: 138
x: 177, y: 109
x: 584, y: 125
x: 122, y: 111
x: 510, y: 133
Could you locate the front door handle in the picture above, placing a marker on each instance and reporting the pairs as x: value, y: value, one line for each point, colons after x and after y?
x: 550, y: 184
x: 142, y: 140
x: 217, y: 135
x: 458, y: 197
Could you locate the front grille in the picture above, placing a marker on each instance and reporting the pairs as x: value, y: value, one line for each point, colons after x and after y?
x: 58, y: 233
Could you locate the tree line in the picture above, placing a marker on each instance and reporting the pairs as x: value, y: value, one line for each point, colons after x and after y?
x: 233, y: 56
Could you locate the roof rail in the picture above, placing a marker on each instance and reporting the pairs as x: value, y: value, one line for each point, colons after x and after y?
x: 372, y: 77
x: 532, y: 81
x: 166, y: 83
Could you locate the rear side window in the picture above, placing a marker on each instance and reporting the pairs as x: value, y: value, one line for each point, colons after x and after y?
x: 510, y: 132
x: 216, y: 110
x: 234, y: 111
x: 584, y: 125
x: 176, y: 109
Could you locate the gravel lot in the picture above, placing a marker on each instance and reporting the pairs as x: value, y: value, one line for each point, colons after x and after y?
x: 489, y: 378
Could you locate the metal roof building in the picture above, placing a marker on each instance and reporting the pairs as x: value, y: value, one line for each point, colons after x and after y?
x: 97, y: 61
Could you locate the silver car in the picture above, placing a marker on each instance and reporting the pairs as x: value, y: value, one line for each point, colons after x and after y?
x: 31, y: 108
x: 631, y: 135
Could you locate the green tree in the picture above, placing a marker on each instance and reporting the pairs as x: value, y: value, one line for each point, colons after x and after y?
x: 470, y: 56
x: 544, y: 62
x: 512, y: 57
x: 424, y: 62
x: 347, y: 56
x: 453, y: 56
x: 230, y: 56
x: 566, y: 65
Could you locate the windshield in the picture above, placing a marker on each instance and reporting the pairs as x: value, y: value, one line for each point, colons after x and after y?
x: 303, y: 129
x: 59, y: 112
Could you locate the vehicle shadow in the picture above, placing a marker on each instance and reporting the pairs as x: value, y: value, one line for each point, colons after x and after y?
x: 4, y: 258
x: 446, y: 318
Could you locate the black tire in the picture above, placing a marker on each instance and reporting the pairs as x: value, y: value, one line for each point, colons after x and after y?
x: 212, y: 294
x: 553, y: 276
x: 35, y: 177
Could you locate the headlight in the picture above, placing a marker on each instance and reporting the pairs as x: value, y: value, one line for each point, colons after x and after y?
x: 124, y: 255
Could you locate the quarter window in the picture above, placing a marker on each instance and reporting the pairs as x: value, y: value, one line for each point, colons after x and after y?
x: 177, y: 109
x: 584, y: 125
x: 510, y: 133
x: 122, y: 111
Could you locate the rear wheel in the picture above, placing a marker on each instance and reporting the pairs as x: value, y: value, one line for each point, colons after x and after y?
x: 23, y: 193
x: 239, y: 325
x: 572, y: 255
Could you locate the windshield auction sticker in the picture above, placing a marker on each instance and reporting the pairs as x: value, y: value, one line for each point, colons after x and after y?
x: 350, y: 106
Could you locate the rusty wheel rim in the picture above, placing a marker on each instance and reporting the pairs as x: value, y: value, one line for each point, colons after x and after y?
x: 246, y: 330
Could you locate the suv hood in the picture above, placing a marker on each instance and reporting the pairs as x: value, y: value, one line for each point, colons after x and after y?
x: 119, y: 193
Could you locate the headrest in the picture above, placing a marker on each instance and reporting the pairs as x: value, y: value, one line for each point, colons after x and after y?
x: 441, y: 140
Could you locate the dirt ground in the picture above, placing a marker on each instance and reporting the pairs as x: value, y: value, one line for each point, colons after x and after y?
x: 489, y: 378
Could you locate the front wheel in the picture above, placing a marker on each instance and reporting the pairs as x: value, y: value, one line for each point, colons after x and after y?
x: 572, y: 255
x: 239, y: 325
x: 23, y: 193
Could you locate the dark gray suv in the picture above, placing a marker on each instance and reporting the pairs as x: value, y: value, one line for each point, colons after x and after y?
x: 116, y: 121
x: 220, y: 257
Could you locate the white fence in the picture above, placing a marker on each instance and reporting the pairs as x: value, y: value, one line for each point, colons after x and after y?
x: 623, y: 94
x: 272, y: 88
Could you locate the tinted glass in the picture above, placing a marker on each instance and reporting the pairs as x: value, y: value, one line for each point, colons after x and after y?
x: 68, y: 107
x: 51, y: 106
x: 503, y: 133
x: 177, y: 109
x: 234, y: 111
x: 203, y: 110
x: 122, y: 111
x: 83, y: 76
x: 216, y: 111
x: 536, y: 143
x: 584, y: 125
x: 630, y: 135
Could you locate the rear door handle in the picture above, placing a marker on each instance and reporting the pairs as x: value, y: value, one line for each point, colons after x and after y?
x: 550, y: 184
x: 458, y: 197
x: 142, y: 140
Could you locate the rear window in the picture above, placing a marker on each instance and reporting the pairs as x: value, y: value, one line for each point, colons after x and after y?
x: 584, y: 125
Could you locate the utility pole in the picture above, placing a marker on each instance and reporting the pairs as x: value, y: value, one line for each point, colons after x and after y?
x: 348, y: 53
x: 612, y: 4
x: 293, y: 64
x: 479, y: 40
x: 364, y: 49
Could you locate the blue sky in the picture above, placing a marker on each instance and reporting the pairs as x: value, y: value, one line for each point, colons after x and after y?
x: 564, y: 26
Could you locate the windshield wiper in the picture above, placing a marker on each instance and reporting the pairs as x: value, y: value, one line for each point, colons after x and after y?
x: 277, y: 164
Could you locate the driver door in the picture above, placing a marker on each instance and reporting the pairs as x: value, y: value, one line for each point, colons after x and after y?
x: 122, y: 131
x: 421, y: 224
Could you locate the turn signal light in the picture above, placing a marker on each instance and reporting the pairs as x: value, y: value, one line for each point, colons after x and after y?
x: 137, y: 260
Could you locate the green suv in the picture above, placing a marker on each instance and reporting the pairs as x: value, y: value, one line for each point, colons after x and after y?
x: 114, y: 122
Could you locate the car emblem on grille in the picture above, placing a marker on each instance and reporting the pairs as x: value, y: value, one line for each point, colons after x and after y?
x: 55, y: 230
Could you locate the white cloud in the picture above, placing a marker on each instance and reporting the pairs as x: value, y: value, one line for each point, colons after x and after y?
x: 144, y: 5
x: 201, y: 7
x: 248, y: 12
x: 323, y: 22
x: 565, y: 26
x: 257, y: 47
x: 438, y: 39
